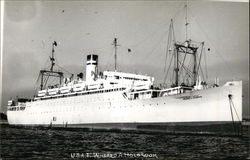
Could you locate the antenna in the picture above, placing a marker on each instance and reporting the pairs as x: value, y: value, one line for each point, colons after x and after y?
x: 52, y: 58
x: 186, y: 24
x: 115, y: 45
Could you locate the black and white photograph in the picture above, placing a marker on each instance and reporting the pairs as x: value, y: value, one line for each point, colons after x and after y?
x: 125, y: 79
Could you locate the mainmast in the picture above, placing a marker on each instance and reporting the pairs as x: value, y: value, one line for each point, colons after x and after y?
x: 115, y: 45
x: 52, y: 59
x: 186, y: 18
x: 176, y: 69
x: 187, y: 48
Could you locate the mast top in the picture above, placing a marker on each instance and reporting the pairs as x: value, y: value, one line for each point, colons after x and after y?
x: 186, y: 18
x: 115, y: 45
x: 52, y: 58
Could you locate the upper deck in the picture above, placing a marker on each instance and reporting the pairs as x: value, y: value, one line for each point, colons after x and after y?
x: 109, y: 81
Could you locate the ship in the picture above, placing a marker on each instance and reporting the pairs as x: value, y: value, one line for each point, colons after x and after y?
x: 121, y: 100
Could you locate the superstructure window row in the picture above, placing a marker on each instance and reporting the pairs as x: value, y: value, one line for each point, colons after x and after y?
x: 82, y: 93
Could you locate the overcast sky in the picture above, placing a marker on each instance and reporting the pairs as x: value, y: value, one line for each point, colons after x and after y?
x: 83, y: 27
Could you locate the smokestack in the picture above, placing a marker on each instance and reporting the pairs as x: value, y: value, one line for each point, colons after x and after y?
x: 91, y: 67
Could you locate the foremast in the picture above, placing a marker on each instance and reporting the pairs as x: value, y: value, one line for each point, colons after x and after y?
x: 46, y: 74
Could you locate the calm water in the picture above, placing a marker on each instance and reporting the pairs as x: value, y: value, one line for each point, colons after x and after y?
x: 28, y: 143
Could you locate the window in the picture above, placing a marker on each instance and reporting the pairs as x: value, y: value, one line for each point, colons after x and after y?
x: 95, y: 57
x: 136, y: 95
x: 117, y: 77
x: 88, y: 57
x: 54, y: 118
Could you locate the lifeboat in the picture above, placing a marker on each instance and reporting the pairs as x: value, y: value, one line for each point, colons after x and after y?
x: 42, y: 93
x: 65, y: 89
x: 53, y: 91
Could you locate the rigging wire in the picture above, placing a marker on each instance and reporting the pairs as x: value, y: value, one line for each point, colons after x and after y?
x: 46, y: 78
x: 183, y: 60
x: 63, y: 69
x: 164, y: 24
x: 165, y: 78
x: 157, y: 44
x: 205, y: 65
x: 234, y: 109
x: 180, y: 10
x: 111, y: 54
x: 149, y: 53
x: 200, y: 57
x: 168, y: 44
x: 202, y: 74
x: 225, y: 62
x: 186, y: 25
x: 36, y: 84
x: 188, y: 71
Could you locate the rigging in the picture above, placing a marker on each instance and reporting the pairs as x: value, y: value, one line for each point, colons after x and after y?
x: 189, y: 47
x: 46, y: 74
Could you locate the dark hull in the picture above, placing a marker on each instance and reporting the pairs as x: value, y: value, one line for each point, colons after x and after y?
x: 202, y: 128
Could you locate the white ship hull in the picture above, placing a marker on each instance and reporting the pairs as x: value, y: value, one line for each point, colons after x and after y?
x: 208, y: 105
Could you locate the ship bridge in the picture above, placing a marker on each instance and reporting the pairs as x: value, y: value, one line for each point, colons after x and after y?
x: 127, y: 76
x: 129, y: 80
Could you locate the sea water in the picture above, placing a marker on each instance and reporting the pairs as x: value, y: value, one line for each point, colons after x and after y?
x: 44, y: 143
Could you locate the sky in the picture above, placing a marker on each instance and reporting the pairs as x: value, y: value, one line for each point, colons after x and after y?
x: 86, y: 27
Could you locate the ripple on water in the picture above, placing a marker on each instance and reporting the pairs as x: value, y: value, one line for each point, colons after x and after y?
x: 23, y: 143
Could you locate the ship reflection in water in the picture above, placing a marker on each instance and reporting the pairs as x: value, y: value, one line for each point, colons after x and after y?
x: 42, y: 143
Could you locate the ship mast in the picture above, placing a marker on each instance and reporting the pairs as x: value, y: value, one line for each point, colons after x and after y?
x: 52, y: 59
x: 176, y: 69
x: 186, y: 24
x: 45, y: 74
x: 115, y: 45
x: 187, y: 48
